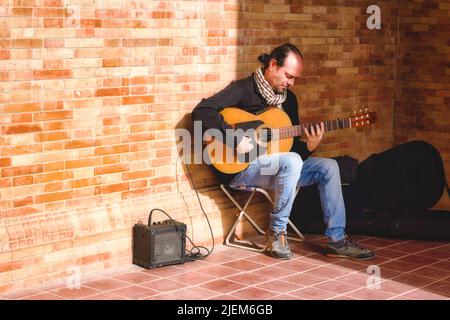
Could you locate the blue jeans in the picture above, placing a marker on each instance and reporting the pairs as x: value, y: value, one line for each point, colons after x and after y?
x: 284, y: 172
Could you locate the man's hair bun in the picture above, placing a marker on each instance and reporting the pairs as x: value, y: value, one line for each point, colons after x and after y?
x: 264, y: 58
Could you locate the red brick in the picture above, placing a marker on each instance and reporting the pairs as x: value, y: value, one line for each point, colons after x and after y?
x: 22, y: 107
x: 137, y: 99
x: 51, y: 136
x: 51, y: 197
x: 23, y: 202
x: 80, y: 183
x: 161, y: 180
x: 52, y: 74
x: 112, y: 188
x: 21, y: 181
x: 5, y: 54
x: 26, y: 128
x: 73, y: 164
x: 5, y: 162
x: 106, y: 92
x: 110, y: 169
x: 138, y: 174
x: 21, y: 171
x: 112, y: 150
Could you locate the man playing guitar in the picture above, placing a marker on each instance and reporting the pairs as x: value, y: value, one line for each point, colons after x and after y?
x: 268, y: 86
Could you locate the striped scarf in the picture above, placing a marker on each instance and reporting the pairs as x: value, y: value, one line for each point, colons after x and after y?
x: 270, y: 97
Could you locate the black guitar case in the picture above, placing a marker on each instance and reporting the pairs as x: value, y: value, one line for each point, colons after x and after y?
x: 391, y: 196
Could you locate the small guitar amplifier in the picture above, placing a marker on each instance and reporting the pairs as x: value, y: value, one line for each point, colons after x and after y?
x: 159, y: 244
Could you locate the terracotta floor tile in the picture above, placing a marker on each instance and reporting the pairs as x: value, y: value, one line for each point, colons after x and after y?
x: 265, y: 259
x: 419, y: 259
x: 389, y: 253
x: 218, y: 258
x: 249, y: 278
x: 413, y: 280
x: 43, y: 296
x: 399, y: 266
x: 344, y: 297
x: 244, y: 265
x: 357, y: 279
x: 134, y: 292
x: 75, y: 293
x: 167, y: 271
x: 326, y: 272
x: 280, y: 286
x: 192, y: 293
x: 431, y: 272
x: 21, y: 294
x: 106, y: 284
x: 388, y: 273
x: 163, y: 285
x: 337, y: 287
x: 425, y: 244
x: 273, y: 272
x: 104, y: 296
x: 297, y: 265
x: 222, y: 285
x: 422, y: 294
x: 350, y: 265
x: 320, y: 259
x: 439, y: 253
x: 162, y: 296
x: 219, y: 271
x: 411, y: 247
x: 441, y: 287
x: 195, y: 265
x: 225, y: 297
x: 239, y: 253
x: 193, y: 278
x: 377, y: 242
x: 111, y: 272
x: 254, y: 294
x: 135, y: 277
x: 284, y: 297
x: 370, y: 294
x: 445, y: 265
x: 312, y: 294
x: 395, y: 287
x: 304, y: 279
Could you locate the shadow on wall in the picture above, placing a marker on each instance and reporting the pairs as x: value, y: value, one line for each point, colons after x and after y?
x: 201, y: 178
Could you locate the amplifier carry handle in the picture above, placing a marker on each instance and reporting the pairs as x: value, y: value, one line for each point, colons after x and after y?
x: 151, y: 213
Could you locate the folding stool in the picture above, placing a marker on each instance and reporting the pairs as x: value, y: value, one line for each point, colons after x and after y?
x: 243, y: 244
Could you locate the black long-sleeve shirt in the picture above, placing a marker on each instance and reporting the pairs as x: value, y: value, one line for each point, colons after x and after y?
x: 243, y: 94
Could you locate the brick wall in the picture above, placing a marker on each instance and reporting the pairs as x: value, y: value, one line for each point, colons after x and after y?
x: 423, y: 86
x: 91, y: 92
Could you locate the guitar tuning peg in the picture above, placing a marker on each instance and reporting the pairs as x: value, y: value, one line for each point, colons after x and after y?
x: 365, y: 110
x: 360, y: 111
x: 354, y: 111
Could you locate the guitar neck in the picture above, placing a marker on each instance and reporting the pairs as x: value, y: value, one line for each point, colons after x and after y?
x: 330, y: 125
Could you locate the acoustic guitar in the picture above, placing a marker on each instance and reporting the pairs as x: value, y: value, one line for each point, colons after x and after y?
x: 270, y: 131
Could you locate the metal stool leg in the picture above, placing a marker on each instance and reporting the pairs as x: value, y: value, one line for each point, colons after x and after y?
x: 242, y: 214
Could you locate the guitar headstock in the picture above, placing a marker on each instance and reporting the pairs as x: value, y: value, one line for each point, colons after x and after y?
x: 363, y: 118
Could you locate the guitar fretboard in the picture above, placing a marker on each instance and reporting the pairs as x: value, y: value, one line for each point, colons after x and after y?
x: 298, y: 130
